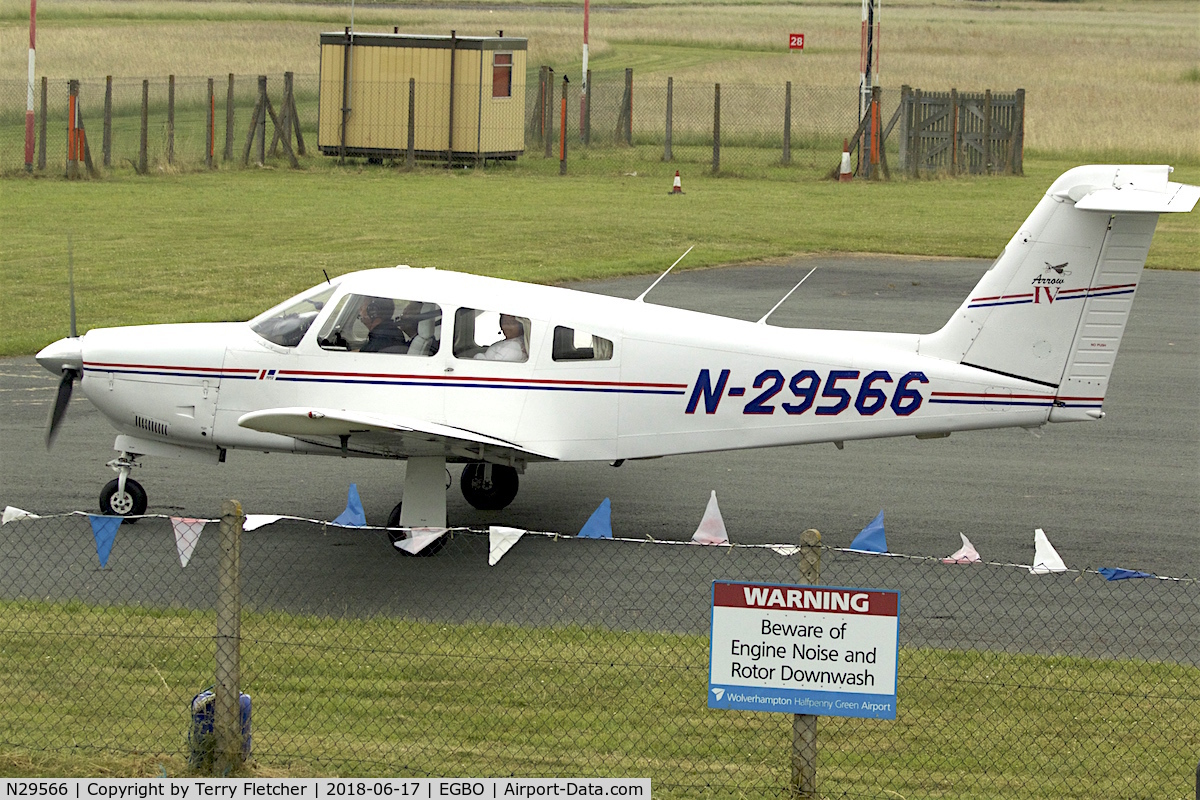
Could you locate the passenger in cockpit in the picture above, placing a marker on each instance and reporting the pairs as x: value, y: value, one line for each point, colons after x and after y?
x: 512, y: 346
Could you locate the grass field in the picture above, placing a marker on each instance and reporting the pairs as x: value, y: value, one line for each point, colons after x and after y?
x: 570, y: 711
x: 227, y: 245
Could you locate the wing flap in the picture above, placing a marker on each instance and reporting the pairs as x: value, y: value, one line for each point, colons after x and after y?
x: 387, y: 435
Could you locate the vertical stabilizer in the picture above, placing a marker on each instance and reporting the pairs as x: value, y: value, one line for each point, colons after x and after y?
x: 1053, y: 307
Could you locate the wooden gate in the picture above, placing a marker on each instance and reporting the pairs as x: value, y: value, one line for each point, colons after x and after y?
x: 975, y: 133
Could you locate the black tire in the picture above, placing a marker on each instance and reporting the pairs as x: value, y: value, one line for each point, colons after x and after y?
x: 432, y: 549
x: 131, y: 504
x: 489, y: 497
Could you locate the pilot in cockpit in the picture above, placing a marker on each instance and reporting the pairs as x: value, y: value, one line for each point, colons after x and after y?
x: 384, y: 335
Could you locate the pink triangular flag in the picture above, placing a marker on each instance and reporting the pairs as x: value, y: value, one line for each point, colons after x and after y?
x: 712, y: 527
x: 967, y: 554
x: 419, y: 538
x: 187, y: 533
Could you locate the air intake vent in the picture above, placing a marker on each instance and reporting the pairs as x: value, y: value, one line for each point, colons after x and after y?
x: 152, y: 425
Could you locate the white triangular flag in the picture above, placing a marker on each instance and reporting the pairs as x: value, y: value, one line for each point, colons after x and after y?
x: 967, y: 554
x: 418, y: 539
x: 256, y: 521
x: 1045, y: 558
x: 500, y: 541
x: 712, y: 527
x: 12, y: 512
x: 187, y: 533
x: 785, y: 549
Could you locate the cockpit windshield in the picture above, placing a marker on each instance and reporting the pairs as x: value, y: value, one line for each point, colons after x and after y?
x: 286, y: 324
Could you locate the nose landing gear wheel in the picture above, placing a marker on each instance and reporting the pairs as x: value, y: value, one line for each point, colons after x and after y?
x: 489, y: 487
x: 431, y: 549
x: 130, y: 503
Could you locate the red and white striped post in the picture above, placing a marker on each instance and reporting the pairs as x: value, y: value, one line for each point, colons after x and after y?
x: 29, y: 90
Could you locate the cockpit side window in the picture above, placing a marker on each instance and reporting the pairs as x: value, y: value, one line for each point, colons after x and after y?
x: 491, y: 335
x: 287, y: 325
x: 377, y: 324
x: 576, y: 345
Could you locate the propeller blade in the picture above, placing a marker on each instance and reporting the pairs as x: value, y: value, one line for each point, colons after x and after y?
x: 66, y: 386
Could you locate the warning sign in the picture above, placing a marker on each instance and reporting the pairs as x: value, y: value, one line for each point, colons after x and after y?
x: 804, y: 649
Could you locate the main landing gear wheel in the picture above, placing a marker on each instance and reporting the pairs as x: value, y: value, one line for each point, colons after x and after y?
x: 130, y: 503
x: 489, y: 487
x: 431, y: 549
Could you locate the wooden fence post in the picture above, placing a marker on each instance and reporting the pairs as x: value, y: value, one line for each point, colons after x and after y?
x: 787, y: 124
x: 716, y: 158
x: 106, y: 142
x: 260, y: 130
x: 905, y: 112
x: 667, y: 155
x: 227, y: 711
x: 72, y: 121
x: 804, y: 726
x: 144, y: 143
x: 1016, y: 159
x: 987, y: 132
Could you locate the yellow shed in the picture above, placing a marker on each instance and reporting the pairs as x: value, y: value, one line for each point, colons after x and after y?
x: 468, y: 101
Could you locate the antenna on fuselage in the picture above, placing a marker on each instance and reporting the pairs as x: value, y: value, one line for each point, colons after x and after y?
x: 326, y: 274
x: 641, y: 297
x: 763, y: 321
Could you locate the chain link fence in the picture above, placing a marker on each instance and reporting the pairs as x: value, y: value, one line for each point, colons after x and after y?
x: 574, y: 657
x: 625, y: 128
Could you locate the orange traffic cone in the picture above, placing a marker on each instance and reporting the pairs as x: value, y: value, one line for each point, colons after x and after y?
x: 845, y: 173
x: 677, y: 187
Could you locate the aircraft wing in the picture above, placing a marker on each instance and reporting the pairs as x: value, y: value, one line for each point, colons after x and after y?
x: 385, y: 435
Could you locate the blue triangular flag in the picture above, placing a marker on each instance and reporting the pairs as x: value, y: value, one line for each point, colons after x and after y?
x: 1118, y: 574
x: 353, y: 515
x: 871, y: 539
x: 105, y: 531
x: 599, y: 524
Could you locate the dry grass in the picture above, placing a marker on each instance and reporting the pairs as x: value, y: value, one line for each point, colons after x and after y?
x: 1115, y: 77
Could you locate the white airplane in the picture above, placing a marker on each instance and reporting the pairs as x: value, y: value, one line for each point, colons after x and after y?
x: 407, y: 363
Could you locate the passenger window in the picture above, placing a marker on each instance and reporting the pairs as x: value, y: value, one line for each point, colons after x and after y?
x: 575, y: 345
x: 490, y: 335
x: 374, y: 324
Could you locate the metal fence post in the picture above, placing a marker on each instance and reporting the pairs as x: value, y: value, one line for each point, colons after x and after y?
x: 670, y: 114
x: 562, y: 131
x: 787, y: 124
x: 211, y: 130
x: 144, y: 142
x: 227, y: 692
x: 42, y: 125
x: 227, y: 155
x: 804, y: 726
x: 716, y: 160
x: 106, y: 143
x: 587, y: 110
x: 410, y: 156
